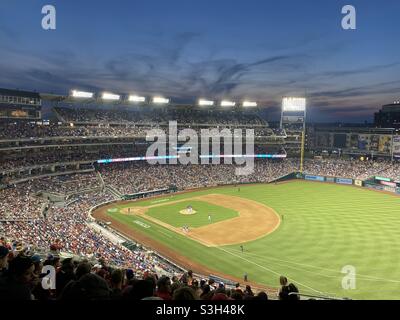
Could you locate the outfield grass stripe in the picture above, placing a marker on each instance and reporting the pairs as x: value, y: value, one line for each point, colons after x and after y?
x: 270, y: 270
x: 285, y: 263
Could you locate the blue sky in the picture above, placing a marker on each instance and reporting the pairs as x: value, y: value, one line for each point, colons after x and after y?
x: 217, y: 49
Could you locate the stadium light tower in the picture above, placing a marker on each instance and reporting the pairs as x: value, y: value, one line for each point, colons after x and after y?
x: 249, y: 104
x: 203, y: 102
x: 226, y: 103
x: 110, y: 96
x: 82, y: 94
x: 134, y: 98
x: 294, y: 115
x: 160, y: 100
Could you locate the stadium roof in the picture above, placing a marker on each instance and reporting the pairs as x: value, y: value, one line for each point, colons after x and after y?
x: 19, y: 93
x: 52, y: 97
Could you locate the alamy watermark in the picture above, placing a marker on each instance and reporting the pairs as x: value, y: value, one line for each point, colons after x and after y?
x: 49, y: 19
x: 198, y: 147
x: 349, y: 280
x: 349, y: 21
x: 49, y: 280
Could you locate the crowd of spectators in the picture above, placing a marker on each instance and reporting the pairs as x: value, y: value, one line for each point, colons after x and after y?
x: 20, y: 203
x: 68, y: 184
x: 354, y: 169
x: 106, y: 269
x: 24, y: 218
x: 68, y: 228
x: 21, y: 130
x: 149, y: 115
x: 33, y: 134
x: 80, y: 279
x: 33, y: 158
x: 389, y: 171
x: 130, y: 178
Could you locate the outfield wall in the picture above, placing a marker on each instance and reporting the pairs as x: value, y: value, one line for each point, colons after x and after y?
x: 372, y: 183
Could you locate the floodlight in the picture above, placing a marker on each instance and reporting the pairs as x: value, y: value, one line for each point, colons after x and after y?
x: 249, y: 104
x: 160, y: 100
x: 110, y: 96
x: 81, y: 94
x: 136, y: 99
x: 226, y: 103
x: 293, y: 104
x: 203, y: 102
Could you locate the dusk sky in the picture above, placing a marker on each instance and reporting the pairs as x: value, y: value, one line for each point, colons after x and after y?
x: 261, y: 50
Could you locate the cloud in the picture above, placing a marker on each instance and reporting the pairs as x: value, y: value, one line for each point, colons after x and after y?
x: 181, y: 67
x: 368, y: 69
x: 361, y: 91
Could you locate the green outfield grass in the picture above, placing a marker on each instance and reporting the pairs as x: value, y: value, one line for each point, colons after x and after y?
x: 325, y: 228
x: 169, y: 213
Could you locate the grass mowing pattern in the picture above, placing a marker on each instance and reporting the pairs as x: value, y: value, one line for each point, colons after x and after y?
x: 170, y: 214
x: 325, y: 227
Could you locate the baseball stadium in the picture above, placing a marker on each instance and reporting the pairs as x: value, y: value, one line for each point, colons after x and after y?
x: 124, y: 182
x: 327, y: 222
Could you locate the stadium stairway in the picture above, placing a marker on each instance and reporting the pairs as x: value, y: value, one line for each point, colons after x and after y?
x: 99, y: 176
x: 58, y: 115
x: 114, y: 192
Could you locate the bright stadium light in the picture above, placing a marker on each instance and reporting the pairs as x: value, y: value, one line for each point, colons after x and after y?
x: 249, y: 104
x: 160, y: 100
x: 132, y: 98
x: 203, y: 102
x: 110, y: 96
x: 81, y: 94
x: 226, y: 103
x: 293, y: 104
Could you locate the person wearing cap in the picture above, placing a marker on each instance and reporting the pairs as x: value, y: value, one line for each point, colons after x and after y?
x: 38, y: 264
x: 3, y: 259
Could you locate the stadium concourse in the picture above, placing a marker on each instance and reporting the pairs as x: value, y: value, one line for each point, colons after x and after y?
x: 50, y: 179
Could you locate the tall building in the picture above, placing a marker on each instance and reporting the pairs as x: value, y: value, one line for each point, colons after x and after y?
x: 388, y: 116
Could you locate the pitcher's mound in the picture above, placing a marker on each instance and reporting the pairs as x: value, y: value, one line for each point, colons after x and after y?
x: 187, y: 211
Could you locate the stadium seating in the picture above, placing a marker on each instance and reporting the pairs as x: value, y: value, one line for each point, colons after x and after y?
x: 50, y: 180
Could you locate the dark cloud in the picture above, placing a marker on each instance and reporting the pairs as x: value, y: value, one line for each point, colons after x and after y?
x: 167, y: 68
x: 358, y: 92
x: 369, y: 69
x: 229, y: 76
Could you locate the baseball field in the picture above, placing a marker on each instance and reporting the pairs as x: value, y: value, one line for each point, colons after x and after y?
x: 329, y: 239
